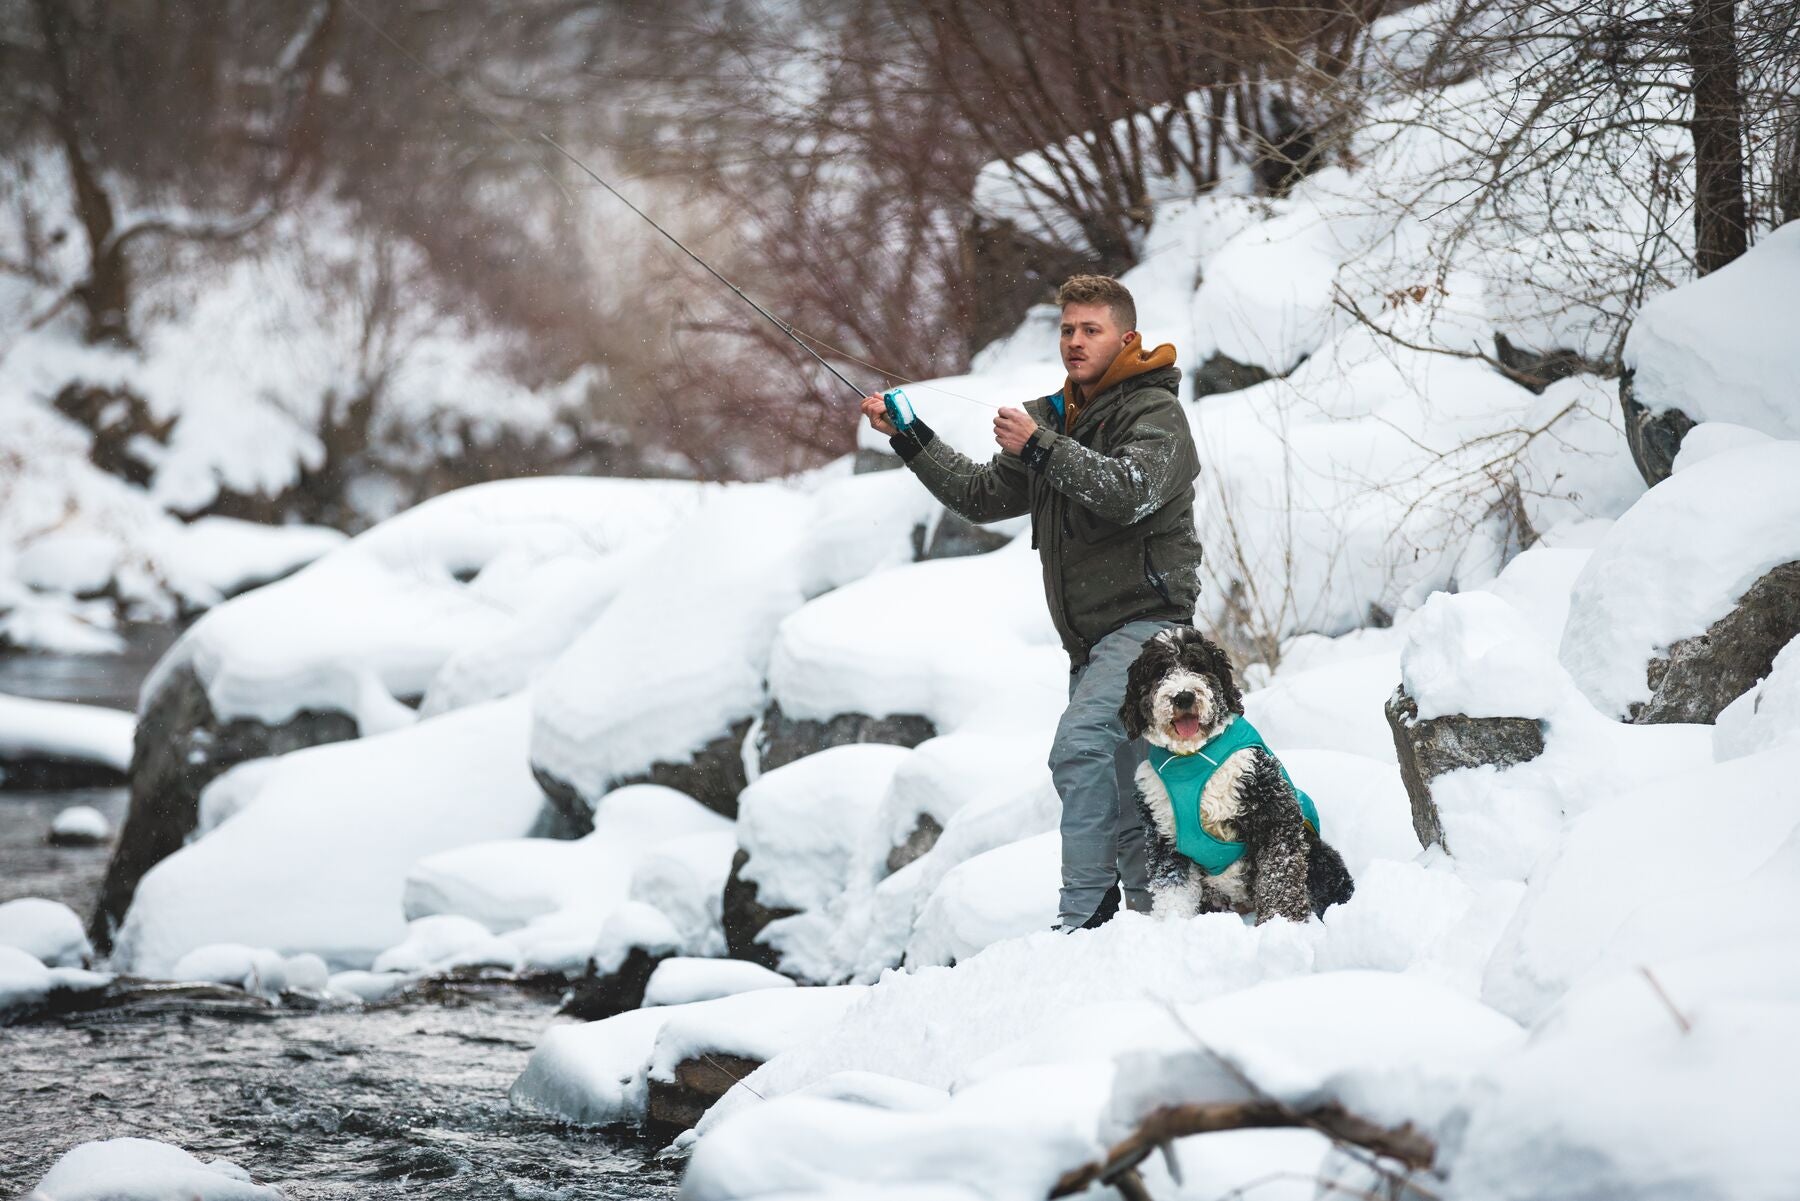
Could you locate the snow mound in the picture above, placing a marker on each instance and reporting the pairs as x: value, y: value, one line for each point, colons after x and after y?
x: 32, y: 729
x: 684, y: 981
x: 1474, y: 654
x: 377, y: 618
x: 80, y: 824
x: 1007, y: 892
x: 684, y: 880
x: 319, y: 861
x: 48, y: 931
x: 1678, y: 561
x: 444, y: 942
x: 253, y: 969
x: 1721, y: 348
x: 141, y: 1169
x: 1766, y: 716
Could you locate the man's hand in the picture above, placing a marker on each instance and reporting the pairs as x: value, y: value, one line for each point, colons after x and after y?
x: 875, y: 409
x: 1012, y: 429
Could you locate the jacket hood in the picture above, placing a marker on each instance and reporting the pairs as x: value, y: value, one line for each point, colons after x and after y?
x: 1134, y: 360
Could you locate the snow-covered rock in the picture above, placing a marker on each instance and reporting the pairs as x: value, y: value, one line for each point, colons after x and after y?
x: 139, y: 1169
x: 319, y: 861
x: 1671, y: 568
x: 1766, y: 716
x: 446, y: 941
x: 79, y: 826
x: 52, y: 744
x: 253, y: 969
x: 46, y: 930
x: 683, y: 981
x: 1721, y: 347
x: 1004, y: 893
x: 805, y: 832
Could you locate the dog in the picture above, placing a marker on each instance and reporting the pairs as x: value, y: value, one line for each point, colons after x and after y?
x: 1180, y: 696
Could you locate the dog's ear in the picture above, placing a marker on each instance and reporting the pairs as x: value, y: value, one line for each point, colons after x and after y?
x: 1139, y: 681
x: 1221, y: 670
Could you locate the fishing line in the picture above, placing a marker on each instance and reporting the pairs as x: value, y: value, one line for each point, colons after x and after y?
x: 794, y: 334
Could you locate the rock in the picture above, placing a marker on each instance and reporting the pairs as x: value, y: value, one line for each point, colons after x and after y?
x: 1537, y: 370
x: 745, y: 916
x: 79, y: 826
x: 1432, y: 747
x: 181, y: 747
x: 784, y: 739
x: 56, y: 773
x: 924, y: 836
x: 678, y: 1104
x: 1654, y: 437
x: 1703, y: 674
x: 713, y: 776
x: 122, y: 423
x: 1222, y: 373
x: 600, y: 994
x: 952, y: 537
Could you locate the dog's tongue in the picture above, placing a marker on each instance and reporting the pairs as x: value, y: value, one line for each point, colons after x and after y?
x: 1187, y: 727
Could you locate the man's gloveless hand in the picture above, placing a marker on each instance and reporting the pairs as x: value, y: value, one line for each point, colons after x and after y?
x: 1012, y: 429
x: 875, y: 409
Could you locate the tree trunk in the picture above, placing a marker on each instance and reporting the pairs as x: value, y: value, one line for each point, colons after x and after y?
x: 105, y: 294
x: 1721, y: 223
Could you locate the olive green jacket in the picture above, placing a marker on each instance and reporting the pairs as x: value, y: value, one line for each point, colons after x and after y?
x: 1111, y: 503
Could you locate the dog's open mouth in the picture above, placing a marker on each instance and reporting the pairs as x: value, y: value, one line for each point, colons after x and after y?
x: 1187, y: 726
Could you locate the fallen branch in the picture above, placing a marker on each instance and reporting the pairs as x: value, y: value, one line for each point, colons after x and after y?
x: 1405, y: 1143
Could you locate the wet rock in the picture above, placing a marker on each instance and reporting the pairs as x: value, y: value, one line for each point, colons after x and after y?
x: 1703, y: 674
x: 784, y: 739
x: 713, y: 776
x: 603, y: 994
x: 1222, y: 373
x: 1431, y: 747
x: 55, y: 773
x: 952, y: 537
x: 121, y: 422
x: 678, y: 1104
x: 744, y: 917
x: 1654, y: 437
x: 180, y: 747
x: 924, y: 836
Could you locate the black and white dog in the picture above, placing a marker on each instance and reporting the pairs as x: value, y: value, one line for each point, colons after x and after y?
x: 1179, y: 696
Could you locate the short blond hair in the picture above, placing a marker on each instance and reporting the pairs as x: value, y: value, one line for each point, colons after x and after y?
x: 1100, y: 289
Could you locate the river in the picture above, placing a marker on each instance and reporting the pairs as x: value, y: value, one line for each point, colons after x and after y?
x: 400, y: 1099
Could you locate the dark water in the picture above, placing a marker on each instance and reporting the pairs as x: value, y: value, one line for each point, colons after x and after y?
x: 399, y: 1100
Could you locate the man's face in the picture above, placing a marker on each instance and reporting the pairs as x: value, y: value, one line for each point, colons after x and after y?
x: 1091, y: 340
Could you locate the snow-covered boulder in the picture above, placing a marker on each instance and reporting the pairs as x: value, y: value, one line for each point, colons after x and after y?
x: 443, y: 943
x: 1720, y: 348
x: 46, y: 930
x: 319, y: 861
x: 79, y: 826
x: 1475, y: 685
x: 140, y: 1169
x: 344, y: 647
x: 27, y: 985
x: 805, y: 831
x: 1686, y: 601
x: 683, y: 981
x: 254, y: 969
x: 51, y: 745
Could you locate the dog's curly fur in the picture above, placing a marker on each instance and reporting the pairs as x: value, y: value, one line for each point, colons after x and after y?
x: 1181, y: 692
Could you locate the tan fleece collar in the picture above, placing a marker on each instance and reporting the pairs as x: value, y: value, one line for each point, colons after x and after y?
x: 1133, y: 360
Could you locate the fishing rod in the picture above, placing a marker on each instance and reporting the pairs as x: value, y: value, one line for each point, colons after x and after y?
x: 899, y: 409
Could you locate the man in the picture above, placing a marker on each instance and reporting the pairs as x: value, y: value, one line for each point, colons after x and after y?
x: 1106, y: 469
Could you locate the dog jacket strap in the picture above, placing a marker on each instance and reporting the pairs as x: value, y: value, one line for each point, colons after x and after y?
x: 1185, y: 777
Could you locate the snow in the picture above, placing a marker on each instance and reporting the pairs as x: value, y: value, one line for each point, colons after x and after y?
x: 1721, y: 348
x: 682, y: 981
x: 48, y: 931
x: 24, y: 981
x: 1678, y: 561
x: 319, y: 861
x: 31, y: 729
x: 1766, y: 716
x: 253, y: 969
x: 139, y: 1169
x: 80, y: 824
x: 1714, y: 437
x: 1474, y: 654
x: 377, y: 618
x: 598, y: 1074
x: 444, y: 942
x: 207, y: 560
x: 77, y: 563
x: 506, y: 885
x: 684, y: 880
x: 1004, y: 893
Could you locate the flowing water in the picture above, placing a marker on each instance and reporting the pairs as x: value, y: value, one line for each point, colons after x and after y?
x: 399, y: 1099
